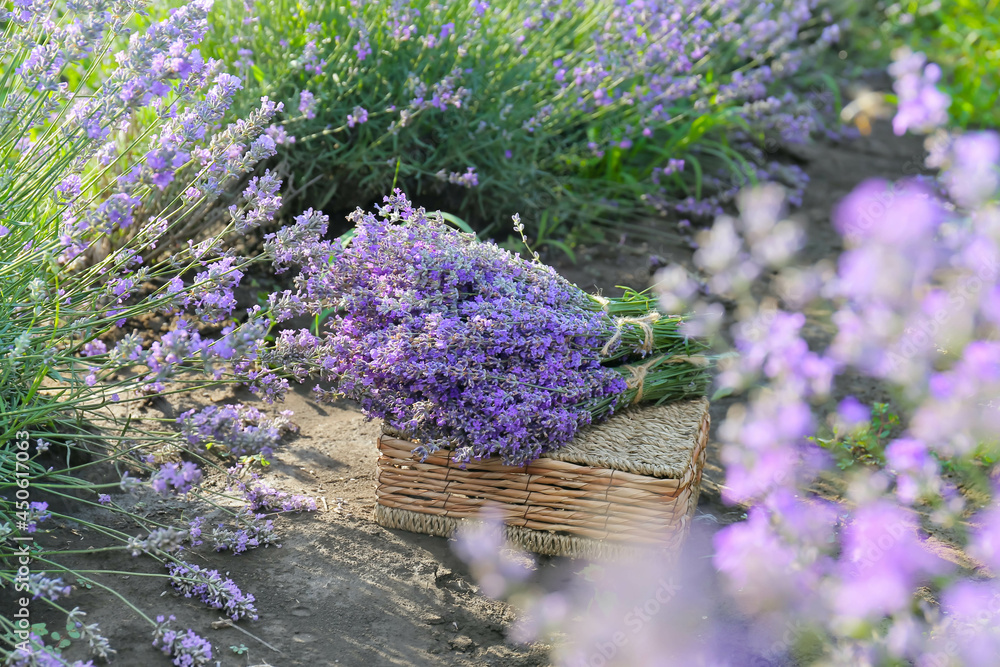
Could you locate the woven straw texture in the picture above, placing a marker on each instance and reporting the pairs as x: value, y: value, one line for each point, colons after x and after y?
x: 628, y: 483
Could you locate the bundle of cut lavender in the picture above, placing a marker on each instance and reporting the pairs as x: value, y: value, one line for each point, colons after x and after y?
x: 459, y: 343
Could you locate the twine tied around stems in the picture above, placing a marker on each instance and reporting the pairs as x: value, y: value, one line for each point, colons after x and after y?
x: 645, y: 323
x: 604, y: 301
x: 638, y: 379
x: 639, y: 372
x: 698, y: 360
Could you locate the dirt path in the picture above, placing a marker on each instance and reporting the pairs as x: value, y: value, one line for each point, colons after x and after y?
x: 343, y: 591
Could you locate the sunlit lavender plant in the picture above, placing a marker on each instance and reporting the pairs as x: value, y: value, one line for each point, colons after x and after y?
x: 554, y: 106
x: 187, y: 649
x: 77, y: 271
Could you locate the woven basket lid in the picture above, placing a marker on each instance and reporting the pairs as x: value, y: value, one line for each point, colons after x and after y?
x: 652, y: 440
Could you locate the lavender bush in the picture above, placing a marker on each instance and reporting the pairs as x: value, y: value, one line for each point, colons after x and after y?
x: 575, y: 110
x: 76, y: 276
x: 899, y: 568
x: 462, y: 344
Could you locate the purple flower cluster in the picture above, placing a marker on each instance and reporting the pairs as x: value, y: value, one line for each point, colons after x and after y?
x: 457, y: 342
x: 279, y: 135
x: 209, y: 587
x: 211, y: 296
x: 243, y: 430
x: 176, y: 478
x: 261, y: 199
x: 187, y: 649
x: 357, y: 117
x: 252, y: 531
x: 41, y: 586
x: 194, y: 530
x: 260, y: 496
x: 307, y: 104
x: 922, y: 107
x: 36, y: 514
x: 184, y: 349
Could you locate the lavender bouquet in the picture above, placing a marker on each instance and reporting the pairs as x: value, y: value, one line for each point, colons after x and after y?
x: 461, y: 344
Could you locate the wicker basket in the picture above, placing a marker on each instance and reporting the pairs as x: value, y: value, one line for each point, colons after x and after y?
x: 628, y: 484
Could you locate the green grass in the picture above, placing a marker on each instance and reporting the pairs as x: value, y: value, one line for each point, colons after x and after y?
x: 962, y: 36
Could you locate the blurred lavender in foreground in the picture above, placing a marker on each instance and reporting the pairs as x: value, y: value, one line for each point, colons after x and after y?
x: 113, y: 140
x: 897, y: 568
x: 922, y: 107
x: 913, y: 307
x: 644, y: 611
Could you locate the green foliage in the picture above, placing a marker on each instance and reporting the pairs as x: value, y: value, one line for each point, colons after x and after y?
x: 577, y: 164
x: 865, y: 445
x: 55, y: 637
x: 962, y: 36
x: 972, y: 472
